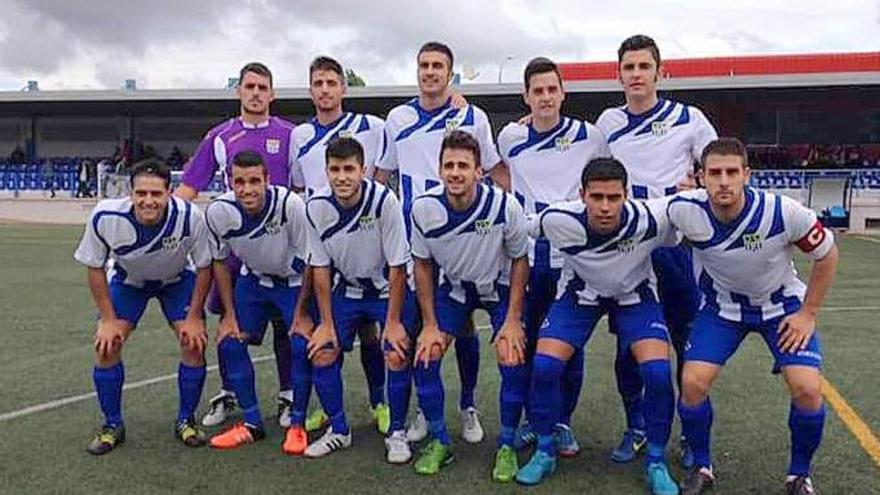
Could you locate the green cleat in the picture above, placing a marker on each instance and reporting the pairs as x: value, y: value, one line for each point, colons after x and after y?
x: 189, y: 434
x: 434, y: 456
x: 506, y: 465
x: 106, y: 440
x: 382, y: 417
x: 317, y: 420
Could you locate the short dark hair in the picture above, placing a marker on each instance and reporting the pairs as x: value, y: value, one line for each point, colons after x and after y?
x: 151, y: 168
x: 258, y: 68
x: 639, y: 42
x: 461, y: 140
x: 326, y: 63
x: 436, y: 46
x: 248, y: 159
x: 728, y: 146
x: 603, y: 169
x: 540, y: 65
x: 344, y: 147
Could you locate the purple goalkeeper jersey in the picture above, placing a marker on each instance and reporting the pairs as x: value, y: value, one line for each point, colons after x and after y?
x: 271, y: 139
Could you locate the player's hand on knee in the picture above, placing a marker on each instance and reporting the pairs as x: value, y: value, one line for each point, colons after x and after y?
x: 110, y: 336
x: 431, y: 342
x: 302, y: 324
x: 228, y: 328
x: 395, y: 335
x: 795, y: 331
x: 510, y: 343
x: 324, y: 334
x: 193, y: 335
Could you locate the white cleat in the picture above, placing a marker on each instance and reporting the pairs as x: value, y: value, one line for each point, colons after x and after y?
x: 418, y: 427
x: 471, y: 429
x: 397, y: 448
x: 222, y: 405
x: 328, y: 443
x: 285, y: 403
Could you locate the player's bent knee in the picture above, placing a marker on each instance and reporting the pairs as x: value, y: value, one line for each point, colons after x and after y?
x: 694, y: 387
x: 325, y: 357
x: 394, y: 362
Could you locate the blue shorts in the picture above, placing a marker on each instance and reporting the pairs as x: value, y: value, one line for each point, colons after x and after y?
x: 452, y: 316
x: 349, y: 315
x: 574, y: 323
x: 539, y: 297
x: 676, y: 286
x: 130, y: 302
x: 714, y: 339
x: 256, y: 304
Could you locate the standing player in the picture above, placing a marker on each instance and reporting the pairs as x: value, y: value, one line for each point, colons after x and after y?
x: 414, y: 132
x: 155, y: 242
x: 266, y: 227
x: 476, y: 236
x: 545, y: 159
x: 309, y: 172
x: 658, y: 141
x: 607, y: 243
x: 743, y: 242
x: 254, y: 129
x: 357, y: 234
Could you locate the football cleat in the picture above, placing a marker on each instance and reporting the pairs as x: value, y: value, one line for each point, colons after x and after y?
x: 566, y: 444
x: 328, y: 443
x: 397, y: 448
x: 699, y: 480
x: 418, y: 427
x: 659, y: 480
x: 540, y: 466
x: 317, y: 420
x: 295, y: 441
x: 222, y: 405
x: 106, y: 440
x: 506, y: 465
x: 382, y: 417
x: 285, y: 403
x: 236, y: 436
x: 189, y: 434
x: 799, y: 485
x: 471, y: 429
x: 632, y: 443
x: 433, y: 457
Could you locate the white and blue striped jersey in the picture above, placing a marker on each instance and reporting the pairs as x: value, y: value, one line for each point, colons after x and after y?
x: 414, y: 137
x: 615, y: 266
x: 473, y: 248
x: 308, y: 163
x: 744, y: 268
x: 360, y: 242
x: 143, y: 254
x: 271, y: 244
x: 545, y: 167
x: 657, y: 147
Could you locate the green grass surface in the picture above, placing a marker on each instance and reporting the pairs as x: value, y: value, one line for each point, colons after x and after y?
x: 47, y: 320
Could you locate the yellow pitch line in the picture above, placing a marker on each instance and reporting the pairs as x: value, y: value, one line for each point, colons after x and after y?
x: 853, y: 422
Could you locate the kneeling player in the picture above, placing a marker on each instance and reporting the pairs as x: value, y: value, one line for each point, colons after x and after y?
x: 476, y: 235
x: 265, y: 226
x: 743, y: 242
x: 357, y: 232
x: 606, y: 243
x: 151, y: 237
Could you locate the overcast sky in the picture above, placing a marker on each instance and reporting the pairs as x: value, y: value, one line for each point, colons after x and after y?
x: 68, y: 44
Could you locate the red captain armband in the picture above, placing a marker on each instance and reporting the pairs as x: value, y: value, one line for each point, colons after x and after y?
x: 813, y: 239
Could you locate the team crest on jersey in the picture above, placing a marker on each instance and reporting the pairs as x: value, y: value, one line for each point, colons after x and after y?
x: 273, y: 146
x: 753, y: 242
x: 453, y: 123
x: 660, y: 128
x: 170, y: 243
x: 346, y: 133
x: 366, y: 222
x: 273, y: 227
x: 626, y: 245
x: 562, y: 143
x: 482, y: 227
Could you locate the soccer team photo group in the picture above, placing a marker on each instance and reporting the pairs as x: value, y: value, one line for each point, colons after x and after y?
x: 405, y: 238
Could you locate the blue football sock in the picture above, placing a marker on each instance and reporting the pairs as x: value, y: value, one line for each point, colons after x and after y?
x: 241, y: 374
x: 696, y: 424
x: 512, y: 397
x: 429, y: 384
x: 108, y: 386
x: 399, y: 385
x: 630, y: 388
x: 225, y: 384
x: 373, y: 362
x: 659, y: 405
x: 283, y: 356
x: 806, y: 435
x: 572, y: 382
x: 328, y: 384
x: 302, y: 379
x: 545, y: 397
x: 467, y: 354
x: 190, y: 382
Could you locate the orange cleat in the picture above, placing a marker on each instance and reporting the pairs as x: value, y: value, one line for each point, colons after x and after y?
x: 296, y: 441
x: 236, y: 436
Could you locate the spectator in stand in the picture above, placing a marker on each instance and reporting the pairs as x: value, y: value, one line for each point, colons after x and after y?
x: 17, y: 157
x: 48, y: 170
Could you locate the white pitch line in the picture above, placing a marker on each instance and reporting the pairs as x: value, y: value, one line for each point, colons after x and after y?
x: 850, y: 308
x: 869, y: 239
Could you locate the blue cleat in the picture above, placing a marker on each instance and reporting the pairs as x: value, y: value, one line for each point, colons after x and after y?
x: 566, y: 444
x: 524, y: 437
x: 687, y: 455
x: 632, y: 443
x: 659, y: 480
x: 539, y: 467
